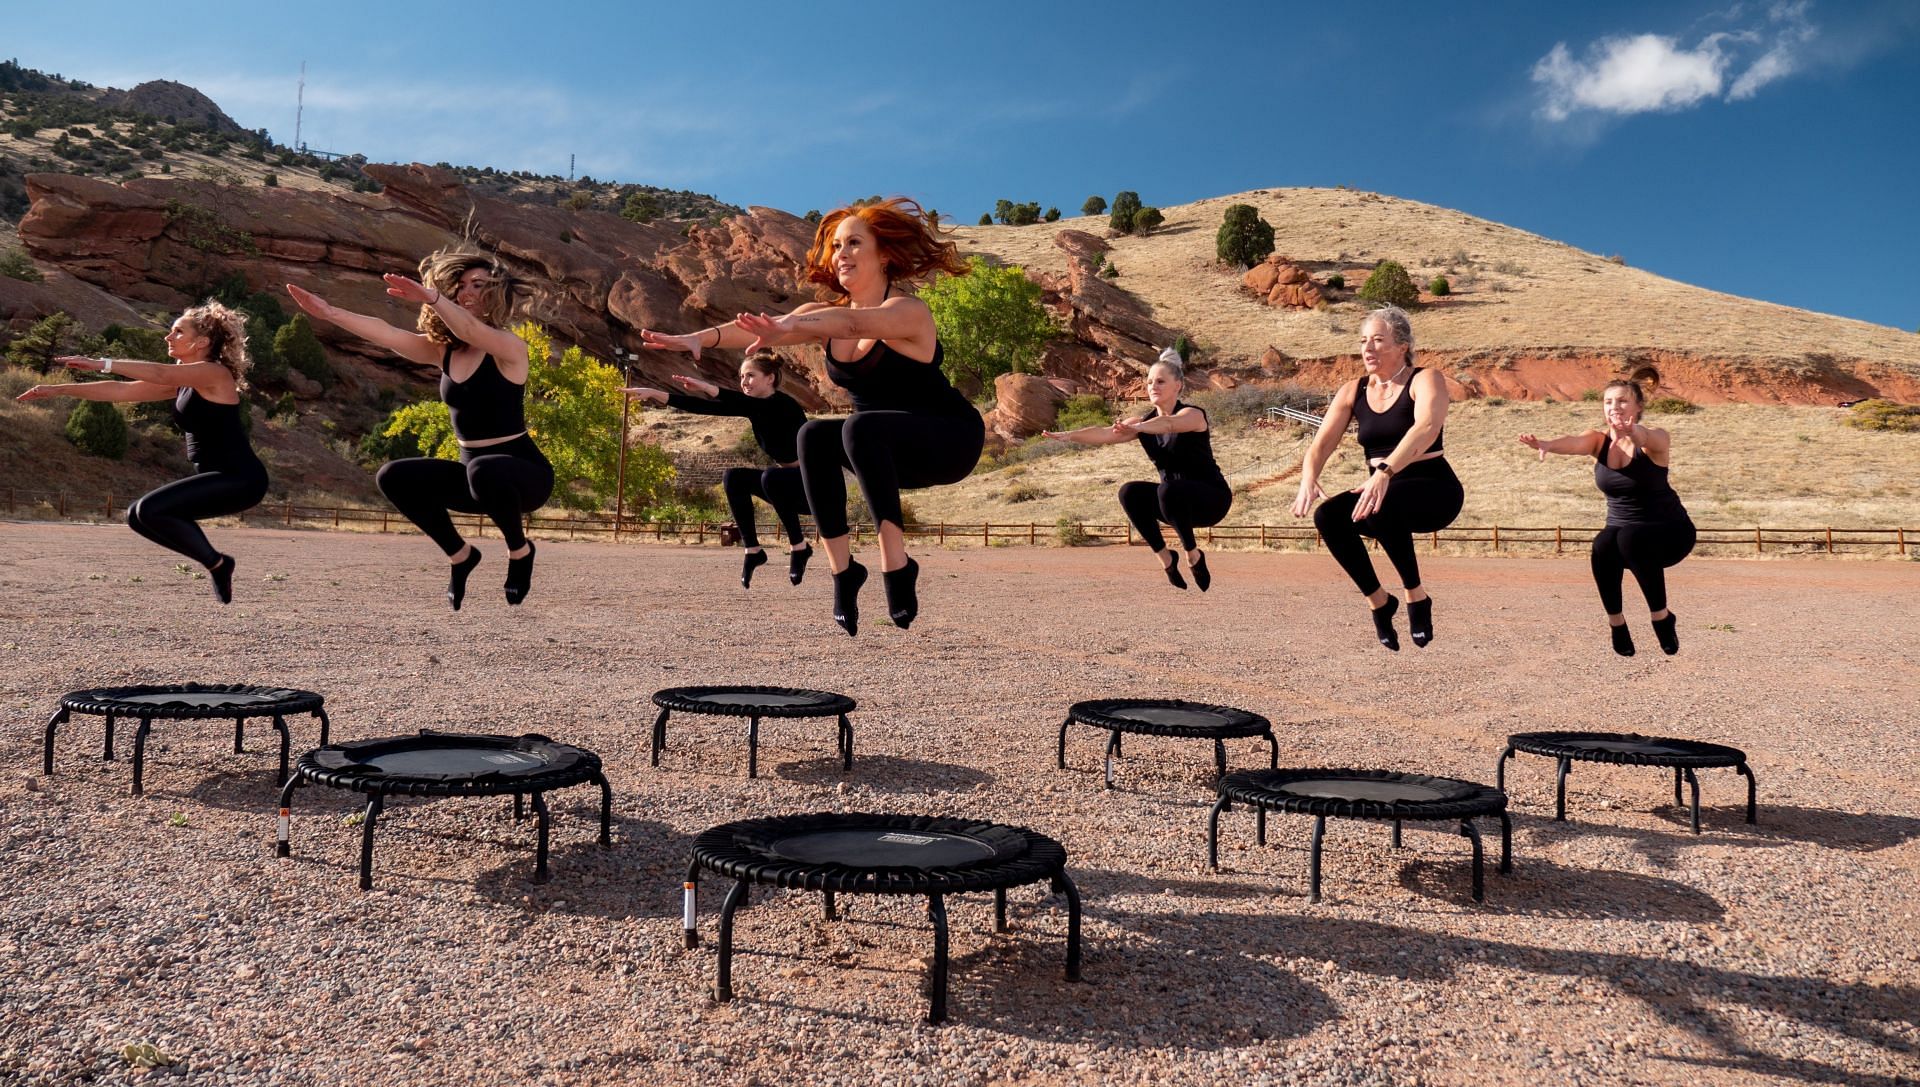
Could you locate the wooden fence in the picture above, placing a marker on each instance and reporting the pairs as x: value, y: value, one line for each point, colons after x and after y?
x: 1501, y: 538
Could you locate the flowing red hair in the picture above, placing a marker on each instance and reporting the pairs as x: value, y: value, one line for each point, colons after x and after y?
x: 909, y: 240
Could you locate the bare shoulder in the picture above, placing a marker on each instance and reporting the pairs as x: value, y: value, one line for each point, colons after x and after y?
x: 1428, y: 382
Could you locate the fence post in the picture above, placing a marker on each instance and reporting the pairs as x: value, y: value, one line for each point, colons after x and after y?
x: 1556, y: 539
x: 943, y: 532
x: 1899, y: 534
x: 1032, y: 533
x: 985, y: 528
x: 63, y: 504
x: 1759, y: 544
x: 1829, y: 539
x: 1434, y: 544
x: 1496, y: 541
x: 1263, y: 535
x: 383, y: 520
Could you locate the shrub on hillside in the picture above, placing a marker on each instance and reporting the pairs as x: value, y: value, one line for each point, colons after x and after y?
x: 1052, y: 215
x: 1083, y: 410
x: 36, y: 347
x: 643, y: 208
x: 1336, y: 281
x: 271, y: 181
x: 1671, y: 405
x: 1390, y: 285
x: 15, y: 264
x: 1095, y: 205
x: 1070, y: 533
x: 1126, y: 204
x: 986, y: 219
x: 297, y: 347
x: 97, y: 428
x: 1147, y: 220
x: 1244, y: 238
x: 990, y: 322
x: 1439, y: 287
x: 1884, y: 415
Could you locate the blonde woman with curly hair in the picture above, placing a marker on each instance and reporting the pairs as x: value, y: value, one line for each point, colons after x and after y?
x: 208, y: 345
x: 464, y: 305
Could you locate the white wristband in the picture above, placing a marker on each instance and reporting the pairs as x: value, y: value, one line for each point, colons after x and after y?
x: 106, y: 366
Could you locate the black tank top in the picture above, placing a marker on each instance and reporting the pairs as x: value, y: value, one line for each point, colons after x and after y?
x: 1381, y: 431
x: 776, y: 419
x: 485, y: 405
x: 1637, y: 494
x: 1187, y: 455
x: 885, y: 380
x: 215, y: 440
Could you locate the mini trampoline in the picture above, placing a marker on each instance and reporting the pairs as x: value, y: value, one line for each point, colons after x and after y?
x: 437, y: 764
x: 1628, y: 749
x: 186, y: 702
x: 753, y: 703
x: 1168, y: 717
x: 883, y: 855
x: 1362, y: 794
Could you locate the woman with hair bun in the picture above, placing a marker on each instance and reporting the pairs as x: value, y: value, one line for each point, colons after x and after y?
x: 776, y: 419
x: 464, y: 298
x: 208, y: 344
x: 909, y: 427
x: 1648, y: 530
x: 1191, y: 493
x: 1401, y: 414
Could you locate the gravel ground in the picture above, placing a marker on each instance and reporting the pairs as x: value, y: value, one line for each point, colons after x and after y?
x: 1621, y: 949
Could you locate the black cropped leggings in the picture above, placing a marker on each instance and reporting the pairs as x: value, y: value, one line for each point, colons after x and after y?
x: 1425, y: 496
x: 887, y: 451
x: 1186, y: 504
x: 168, y: 515
x: 1647, y: 550
x: 780, y: 488
x: 505, y: 482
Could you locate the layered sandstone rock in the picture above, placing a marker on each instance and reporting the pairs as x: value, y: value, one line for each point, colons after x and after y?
x: 1283, y: 283
x: 1110, y: 335
x: 1024, y: 405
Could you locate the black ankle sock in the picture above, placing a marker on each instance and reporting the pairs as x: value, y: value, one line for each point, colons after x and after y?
x: 1201, y: 577
x: 1173, y: 571
x: 1383, y: 623
x: 1622, y: 640
x: 846, y: 597
x: 457, y: 577
x: 752, y: 561
x: 902, y: 602
x: 519, y: 575
x: 221, y: 574
x: 1420, y: 621
x: 1668, y: 634
x: 797, y: 563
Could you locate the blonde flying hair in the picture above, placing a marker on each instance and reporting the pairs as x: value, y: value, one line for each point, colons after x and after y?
x: 442, y: 270
x: 226, y: 331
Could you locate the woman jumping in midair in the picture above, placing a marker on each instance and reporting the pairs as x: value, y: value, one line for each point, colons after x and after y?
x: 1191, y: 493
x: 209, y: 346
x: 463, y: 297
x: 776, y: 419
x: 1402, y: 415
x: 1647, y: 529
x: 909, y: 427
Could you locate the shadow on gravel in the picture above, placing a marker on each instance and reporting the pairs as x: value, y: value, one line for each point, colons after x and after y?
x: 1726, y: 827
x: 638, y: 876
x: 887, y: 774
x: 1542, y: 888
x: 253, y: 790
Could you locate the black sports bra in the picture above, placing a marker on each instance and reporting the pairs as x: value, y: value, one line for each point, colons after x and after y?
x: 1380, y: 432
x: 485, y: 405
x: 885, y: 380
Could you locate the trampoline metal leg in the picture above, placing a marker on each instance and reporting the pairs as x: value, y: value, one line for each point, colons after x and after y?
x: 140, y: 753
x: 1065, y: 883
x: 1061, y: 755
x: 1273, y: 751
x: 659, y: 736
x: 1472, y: 834
x: 1752, y: 791
x: 239, y: 733
x: 689, y: 903
x: 1500, y: 769
x: 540, y: 847
x: 937, y: 910
x: 1396, y: 834
x: 1260, y: 824
x: 753, y: 747
x: 283, y: 838
x: 1677, y: 776
x: 286, y: 746
x: 606, y: 808
x: 1116, y: 743
x: 1213, y: 832
x: 1000, y: 910
x: 374, y: 807
x: 1313, y: 858
x: 723, y: 978
x: 326, y: 726
x: 1219, y: 759
x: 53, y: 723
x: 1693, y: 784
x: 106, y: 740
x: 1113, y: 748
x: 830, y: 911
x: 1506, y: 842
x: 846, y: 743
x: 1560, y: 791
x: 519, y: 807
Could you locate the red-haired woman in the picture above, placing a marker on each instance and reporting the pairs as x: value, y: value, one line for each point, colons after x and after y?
x: 909, y: 427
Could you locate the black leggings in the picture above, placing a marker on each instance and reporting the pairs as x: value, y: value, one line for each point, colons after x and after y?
x: 505, y: 482
x: 887, y: 451
x: 1425, y: 496
x: 780, y: 488
x: 1185, y: 504
x: 168, y: 515
x: 1647, y: 550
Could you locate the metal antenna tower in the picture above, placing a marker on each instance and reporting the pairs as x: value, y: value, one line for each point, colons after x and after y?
x: 300, y: 106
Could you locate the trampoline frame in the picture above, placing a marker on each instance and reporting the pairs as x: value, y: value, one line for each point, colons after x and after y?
x: 718, y: 851
x: 309, y: 771
x: 102, y: 702
x: 1708, y: 756
x: 1093, y: 714
x: 1262, y: 798
x: 692, y: 700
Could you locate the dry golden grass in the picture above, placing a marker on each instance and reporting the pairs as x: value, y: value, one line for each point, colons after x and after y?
x: 1551, y: 295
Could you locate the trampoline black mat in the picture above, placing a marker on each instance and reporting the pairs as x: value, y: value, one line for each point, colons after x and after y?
x: 1363, y: 794
x: 1386, y: 792
x: 752, y: 701
x: 192, y: 700
x: 1169, y: 717
x: 449, y: 764
x: 880, y: 848
x: 1626, y: 748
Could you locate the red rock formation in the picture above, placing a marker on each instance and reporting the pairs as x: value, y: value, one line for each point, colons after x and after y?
x: 1282, y: 283
x: 1111, y: 337
x: 1024, y: 405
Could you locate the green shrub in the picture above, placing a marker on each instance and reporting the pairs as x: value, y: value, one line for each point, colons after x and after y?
x: 1671, y: 405
x: 284, y: 408
x: 1336, y: 281
x: 986, y: 219
x: 98, y: 428
x: 1183, y: 347
x: 1083, y: 410
x: 15, y: 264
x: 1070, y: 534
x: 1052, y: 215
x: 1095, y: 205
x: 640, y: 208
x: 44, y: 339
x: 297, y: 347
x: 990, y: 322
x: 271, y: 181
x: 1110, y: 271
x: 1439, y: 287
x: 1148, y: 219
x: 1884, y: 415
x: 1496, y: 401
x: 1244, y: 237
x: 22, y: 130
x: 1390, y: 285
x: 1025, y: 492
x: 1126, y: 204
x: 1591, y: 396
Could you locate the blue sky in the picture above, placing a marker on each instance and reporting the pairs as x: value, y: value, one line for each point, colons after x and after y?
x: 1762, y: 149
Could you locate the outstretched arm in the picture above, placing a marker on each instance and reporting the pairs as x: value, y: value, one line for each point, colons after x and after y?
x: 509, y: 351
x: 728, y: 335
x: 123, y: 392
x: 206, y: 377
x: 1092, y: 435
x: 902, y: 321
x: 1586, y: 444
x: 1187, y: 420
x: 647, y: 394
x: 411, y: 346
